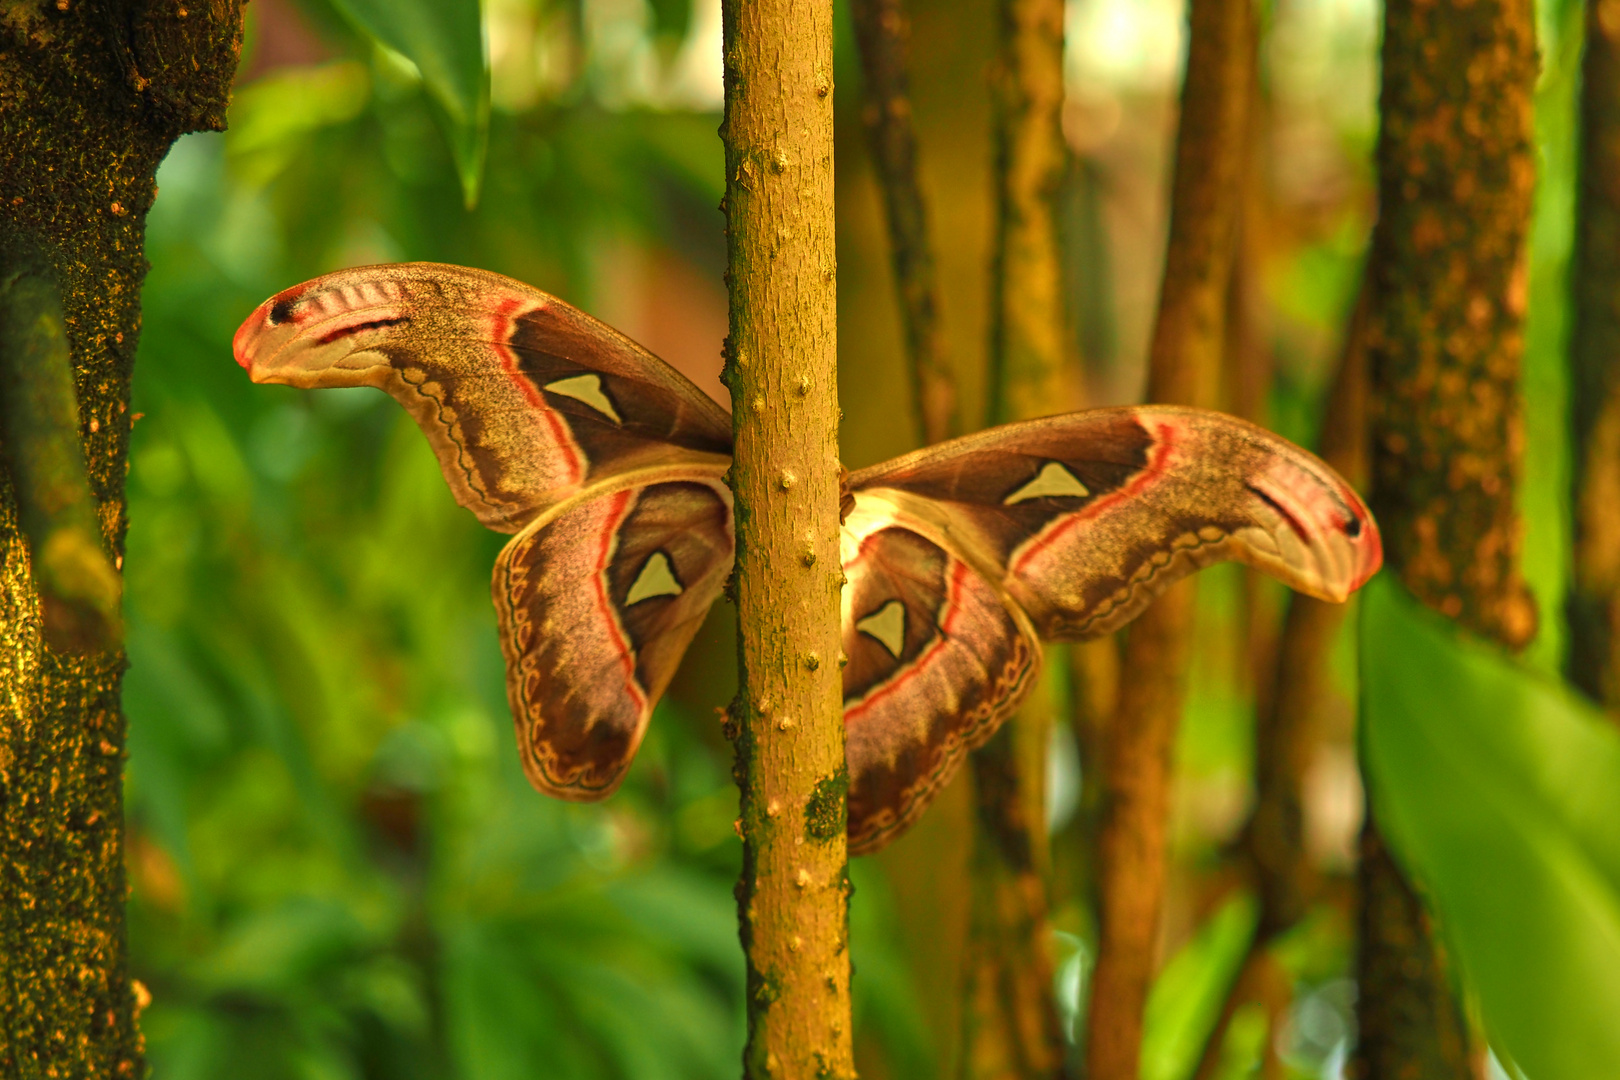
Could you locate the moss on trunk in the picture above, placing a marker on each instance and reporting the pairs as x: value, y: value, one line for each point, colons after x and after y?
x: 91, y: 97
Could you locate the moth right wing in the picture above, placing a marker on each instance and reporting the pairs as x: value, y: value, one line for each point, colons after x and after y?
x: 597, y: 600
x: 524, y: 399
x: 936, y: 661
x: 1084, y: 518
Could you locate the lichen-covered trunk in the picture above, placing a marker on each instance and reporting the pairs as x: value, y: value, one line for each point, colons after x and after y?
x: 782, y: 369
x: 1593, y: 605
x: 1184, y: 366
x: 1010, y: 1025
x: 1446, y: 298
x: 91, y: 97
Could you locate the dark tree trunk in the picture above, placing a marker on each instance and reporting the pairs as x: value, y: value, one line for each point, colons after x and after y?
x: 1593, y: 604
x: 1446, y: 296
x: 91, y: 97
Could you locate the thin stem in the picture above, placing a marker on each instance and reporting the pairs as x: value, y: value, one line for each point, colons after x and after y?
x: 882, y: 30
x: 1592, y: 607
x: 1010, y: 1025
x: 1184, y: 359
x: 1286, y: 731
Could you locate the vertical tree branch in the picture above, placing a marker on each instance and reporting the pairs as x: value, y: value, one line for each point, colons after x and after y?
x: 1286, y: 733
x: 91, y: 97
x: 1010, y: 1024
x: 1026, y: 309
x: 781, y: 368
x: 1184, y: 360
x: 882, y: 30
x: 1592, y: 607
x: 1447, y: 292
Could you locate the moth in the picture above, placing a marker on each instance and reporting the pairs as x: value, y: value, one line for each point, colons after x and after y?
x: 609, y: 467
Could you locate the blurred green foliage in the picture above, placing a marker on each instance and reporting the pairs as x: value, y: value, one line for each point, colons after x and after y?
x: 1499, y: 789
x: 338, y: 867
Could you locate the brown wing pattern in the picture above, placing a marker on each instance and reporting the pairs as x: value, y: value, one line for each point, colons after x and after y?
x: 597, y: 600
x: 936, y: 662
x: 524, y: 399
x: 959, y: 558
x: 1085, y: 518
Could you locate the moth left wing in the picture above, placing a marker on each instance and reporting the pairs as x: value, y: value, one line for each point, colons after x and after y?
x: 597, y: 600
x: 524, y: 399
x: 1084, y: 518
x: 936, y: 660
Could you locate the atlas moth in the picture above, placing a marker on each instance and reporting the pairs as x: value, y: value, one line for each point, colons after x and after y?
x: 608, y: 466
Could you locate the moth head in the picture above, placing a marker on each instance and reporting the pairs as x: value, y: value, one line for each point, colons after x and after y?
x: 319, y: 333
x: 1320, y: 533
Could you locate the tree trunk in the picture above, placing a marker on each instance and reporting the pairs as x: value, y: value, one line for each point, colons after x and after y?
x: 1184, y: 367
x: 91, y: 98
x: 1593, y: 605
x: 1447, y: 291
x: 882, y: 30
x: 1010, y: 1025
x: 782, y: 369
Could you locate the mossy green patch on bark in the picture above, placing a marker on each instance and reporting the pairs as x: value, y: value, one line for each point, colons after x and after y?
x: 826, y: 815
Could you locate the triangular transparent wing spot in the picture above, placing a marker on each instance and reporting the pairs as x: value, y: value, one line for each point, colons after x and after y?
x: 887, y: 626
x: 1053, y: 481
x: 656, y: 578
x: 587, y: 388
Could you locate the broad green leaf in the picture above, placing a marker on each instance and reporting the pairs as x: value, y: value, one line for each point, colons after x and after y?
x: 271, y: 118
x: 1500, y: 793
x: 445, y: 40
x: 1186, y: 997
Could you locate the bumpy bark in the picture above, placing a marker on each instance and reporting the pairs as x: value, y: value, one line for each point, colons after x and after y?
x: 882, y: 30
x: 781, y: 368
x: 1446, y: 300
x: 91, y: 98
x: 1184, y: 358
x: 1593, y: 605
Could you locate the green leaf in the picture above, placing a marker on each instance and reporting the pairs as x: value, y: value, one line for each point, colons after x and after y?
x: 1499, y: 791
x: 273, y: 117
x: 1186, y: 998
x: 445, y: 40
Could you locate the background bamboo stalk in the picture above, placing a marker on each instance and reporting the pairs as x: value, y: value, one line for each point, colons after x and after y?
x: 1027, y: 327
x: 1010, y: 1024
x: 782, y: 370
x: 1447, y: 291
x: 883, y: 31
x: 1184, y: 364
x: 1592, y: 607
x: 1286, y: 732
